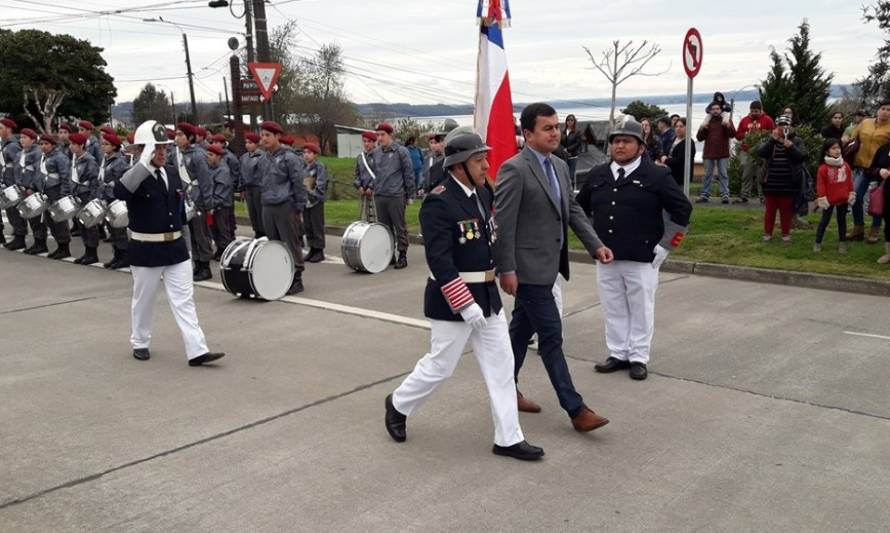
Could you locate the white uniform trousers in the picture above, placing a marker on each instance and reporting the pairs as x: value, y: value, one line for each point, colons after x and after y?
x: 180, y: 293
x: 495, y: 356
x: 627, y: 293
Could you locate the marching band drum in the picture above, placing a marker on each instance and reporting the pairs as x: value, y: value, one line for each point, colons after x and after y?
x: 64, y: 209
x: 367, y: 246
x: 257, y: 267
x: 11, y: 196
x: 33, y: 206
x: 92, y: 213
x: 116, y: 214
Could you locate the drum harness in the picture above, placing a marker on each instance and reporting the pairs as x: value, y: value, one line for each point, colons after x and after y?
x: 368, y: 212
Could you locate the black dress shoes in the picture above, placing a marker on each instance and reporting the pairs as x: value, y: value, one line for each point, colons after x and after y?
x: 401, y: 262
x: 395, y: 422
x: 638, y: 371
x: 206, y: 358
x: 611, y: 365
x: 521, y: 450
x: 141, y: 354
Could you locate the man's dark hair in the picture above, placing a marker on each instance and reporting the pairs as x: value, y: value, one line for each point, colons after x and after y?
x: 665, y: 120
x: 410, y: 141
x: 675, y: 116
x: 715, y: 103
x: 756, y: 105
x: 882, y: 103
x: 682, y: 119
x: 530, y: 114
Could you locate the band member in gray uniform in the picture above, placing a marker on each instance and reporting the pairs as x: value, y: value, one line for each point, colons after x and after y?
x: 113, y: 166
x: 462, y: 300
x: 191, y: 164
x: 316, y: 182
x: 231, y: 160
x: 393, y: 188
x: 283, y: 195
x: 364, y: 166
x: 65, y: 130
x: 157, y: 253
x: 250, y: 182
x: 86, y: 128
x: 27, y: 176
x: 53, y: 181
x: 9, y: 152
x: 85, y: 186
x: 222, y: 205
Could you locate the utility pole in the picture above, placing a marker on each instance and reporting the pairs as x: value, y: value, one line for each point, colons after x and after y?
x: 173, y: 107
x: 235, y: 70
x: 262, y: 48
x: 188, y: 66
x: 251, y: 54
x: 226, y: 89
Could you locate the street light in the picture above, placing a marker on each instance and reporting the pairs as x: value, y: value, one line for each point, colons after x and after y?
x: 188, y: 62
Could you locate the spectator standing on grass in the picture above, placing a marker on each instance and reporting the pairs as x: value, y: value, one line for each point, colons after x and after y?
x: 756, y: 120
x: 880, y: 170
x: 716, y: 132
x: 572, y: 142
x: 666, y: 134
x: 835, y: 128
x: 783, y: 156
x: 834, y: 189
x: 416, y: 161
x: 871, y: 134
x: 676, y: 161
x: 652, y: 143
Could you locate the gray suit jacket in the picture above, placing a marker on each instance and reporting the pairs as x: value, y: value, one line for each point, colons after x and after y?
x: 530, y: 222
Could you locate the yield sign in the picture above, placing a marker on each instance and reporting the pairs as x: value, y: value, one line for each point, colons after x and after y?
x: 266, y: 76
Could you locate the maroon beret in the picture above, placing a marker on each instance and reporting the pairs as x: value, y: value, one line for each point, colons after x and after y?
x: 78, y: 138
x: 47, y: 139
x: 369, y: 135
x: 312, y: 147
x: 112, y: 139
x: 9, y: 123
x: 171, y: 133
x: 65, y: 127
x: 28, y: 132
x: 216, y: 149
x: 187, y: 128
x: 384, y: 126
x: 106, y: 129
x: 288, y: 140
x: 272, y: 126
x: 252, y: 138
x: 219, y: 138
x: 86, y: 124
x: 201, y: 131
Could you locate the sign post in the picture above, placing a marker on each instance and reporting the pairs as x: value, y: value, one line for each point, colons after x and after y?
x: 692, y: 59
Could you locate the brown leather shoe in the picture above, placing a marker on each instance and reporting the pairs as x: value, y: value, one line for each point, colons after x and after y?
x: 525, y: 405
x: 874, y: 235
x: 587, y: 420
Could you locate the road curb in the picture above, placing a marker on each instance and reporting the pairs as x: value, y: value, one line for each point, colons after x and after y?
x: 828, y: 282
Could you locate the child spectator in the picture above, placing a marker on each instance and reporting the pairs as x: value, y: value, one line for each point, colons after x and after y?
x: 834, y: 189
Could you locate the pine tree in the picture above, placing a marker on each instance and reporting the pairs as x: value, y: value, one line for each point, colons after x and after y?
x: 810, y: 85
x: 151, y: 104
x: 875, y: 87
x: 775, y: 90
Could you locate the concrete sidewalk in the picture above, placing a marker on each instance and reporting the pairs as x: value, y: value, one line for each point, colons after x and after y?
x: 766, y: 409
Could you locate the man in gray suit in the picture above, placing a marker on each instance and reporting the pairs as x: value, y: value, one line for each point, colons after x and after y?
x: 534, y: 207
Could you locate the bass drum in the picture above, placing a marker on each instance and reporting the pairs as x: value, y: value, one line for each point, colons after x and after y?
x: 257, y: 267
x: 367, y: 247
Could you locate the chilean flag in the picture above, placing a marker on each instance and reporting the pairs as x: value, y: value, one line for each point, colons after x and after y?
x: 493, y: 116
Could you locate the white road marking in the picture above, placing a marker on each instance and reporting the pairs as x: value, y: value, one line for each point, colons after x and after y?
x: 871, y: 335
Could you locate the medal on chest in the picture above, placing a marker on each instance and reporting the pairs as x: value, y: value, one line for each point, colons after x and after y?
x: 469, y: 230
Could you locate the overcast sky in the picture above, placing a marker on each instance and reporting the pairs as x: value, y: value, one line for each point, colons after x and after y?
x: 424, y: 51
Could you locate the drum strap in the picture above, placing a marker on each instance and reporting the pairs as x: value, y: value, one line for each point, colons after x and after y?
x: 367, y: 167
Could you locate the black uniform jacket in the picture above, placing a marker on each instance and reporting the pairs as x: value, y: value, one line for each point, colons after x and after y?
x: 627, y: 214
x: 152, y: 210
x: 457, y: 238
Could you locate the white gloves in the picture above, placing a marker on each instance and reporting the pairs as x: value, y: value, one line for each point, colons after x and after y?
x: 661, y: 253
x: 852, y: 198
x: 822, y: 202
x: 148, y: 153
x: 473, y: 315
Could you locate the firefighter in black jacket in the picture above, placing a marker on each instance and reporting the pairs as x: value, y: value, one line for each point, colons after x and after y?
x: 156, y: 251
x: 640, y: 213
x: 461, y: 299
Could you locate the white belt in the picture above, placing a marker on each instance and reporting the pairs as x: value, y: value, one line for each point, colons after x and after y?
x: 482, y: 276
x: 155, y: 237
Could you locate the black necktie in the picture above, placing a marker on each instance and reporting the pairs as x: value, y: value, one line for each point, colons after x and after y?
x: 478, y: 203
x: 161, y: 180
x: 620, y: 173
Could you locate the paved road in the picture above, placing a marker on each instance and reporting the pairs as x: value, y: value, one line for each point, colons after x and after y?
x: 766, y: 410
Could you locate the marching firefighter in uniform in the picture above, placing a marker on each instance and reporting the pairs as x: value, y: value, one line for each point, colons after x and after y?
x: 641, y: 214
x: 462, y: 300
x: 316, y: 182
x: 53, y: 181
x: 113, y: 166
x: 157, y: 253
x: 222, y: 205
x: 284, y: 196
x: 9, y: 155
x: 27, y: 175
x: 190, y: 162
x: 251, y: 176
x: 85, y: 186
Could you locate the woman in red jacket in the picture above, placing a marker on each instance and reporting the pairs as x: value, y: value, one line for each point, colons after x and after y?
x: 834, y: 187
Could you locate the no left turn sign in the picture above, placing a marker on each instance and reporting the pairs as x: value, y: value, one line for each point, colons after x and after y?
x: 692, y: 52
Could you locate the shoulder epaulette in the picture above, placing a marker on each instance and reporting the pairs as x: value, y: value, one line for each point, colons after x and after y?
x: 438, y: 190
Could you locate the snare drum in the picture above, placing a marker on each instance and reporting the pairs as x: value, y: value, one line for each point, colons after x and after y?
x: 367, y: 247
x: 257, y: 267
x: 116, y: 215
x: 11, y: 196
x: 92, y: 213
x: 64, y: 209
x: 33, y: 206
